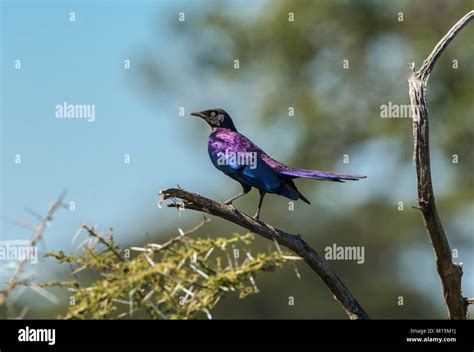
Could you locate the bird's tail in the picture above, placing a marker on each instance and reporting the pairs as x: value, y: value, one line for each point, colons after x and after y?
x: 319, y: 175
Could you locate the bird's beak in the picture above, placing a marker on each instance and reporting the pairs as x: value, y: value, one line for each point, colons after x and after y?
x: 198, y: 114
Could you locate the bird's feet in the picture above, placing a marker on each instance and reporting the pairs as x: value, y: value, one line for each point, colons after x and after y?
x: 228, y: 202
x: 256, y: 216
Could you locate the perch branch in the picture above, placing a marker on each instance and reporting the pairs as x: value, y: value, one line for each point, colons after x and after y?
x: 449, y: 272
x: 295, y: 243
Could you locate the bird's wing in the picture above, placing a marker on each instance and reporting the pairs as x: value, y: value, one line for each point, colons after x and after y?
x: 238, y: 157
x: 261, y: 177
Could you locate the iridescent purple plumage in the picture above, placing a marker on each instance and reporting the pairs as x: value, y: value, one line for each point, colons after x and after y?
x: 241, y: 159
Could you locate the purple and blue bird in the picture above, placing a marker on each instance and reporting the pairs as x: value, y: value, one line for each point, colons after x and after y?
x: 242, y: 160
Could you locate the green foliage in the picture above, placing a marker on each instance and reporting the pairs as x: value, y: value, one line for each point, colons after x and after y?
x: 181, y: 279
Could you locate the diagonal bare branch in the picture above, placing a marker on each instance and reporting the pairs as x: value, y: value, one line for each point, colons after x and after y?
x: 295, y: 243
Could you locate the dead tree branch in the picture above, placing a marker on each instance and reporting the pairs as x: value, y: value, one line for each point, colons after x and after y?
x: 449, y: 272
x: 293, y: 242
x: 39, y: 231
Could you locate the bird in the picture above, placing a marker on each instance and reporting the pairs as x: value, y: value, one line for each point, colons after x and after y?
x: 242, y: 160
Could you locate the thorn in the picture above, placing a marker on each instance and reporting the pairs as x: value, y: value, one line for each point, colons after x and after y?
x: 34, y: 214
x: 298, y: 275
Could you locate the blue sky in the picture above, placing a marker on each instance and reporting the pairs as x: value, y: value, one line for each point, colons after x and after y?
x: 81, y: 62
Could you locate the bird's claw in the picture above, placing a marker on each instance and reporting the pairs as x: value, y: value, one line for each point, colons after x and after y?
x: 230, y: 205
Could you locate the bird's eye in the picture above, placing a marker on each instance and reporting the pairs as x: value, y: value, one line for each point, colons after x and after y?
x: 213, y: 113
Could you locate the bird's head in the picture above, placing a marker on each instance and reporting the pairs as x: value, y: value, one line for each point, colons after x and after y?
x: 216, y: 118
